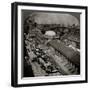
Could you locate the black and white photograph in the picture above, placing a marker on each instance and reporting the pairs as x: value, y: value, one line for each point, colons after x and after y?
x: 49, y: 44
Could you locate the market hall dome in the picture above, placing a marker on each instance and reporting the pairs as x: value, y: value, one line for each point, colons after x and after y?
x: 50, y: 33
x: 56, y: 18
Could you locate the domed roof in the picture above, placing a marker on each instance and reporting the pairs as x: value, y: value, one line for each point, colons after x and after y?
x: 50, y: 33
x: 55, y: 18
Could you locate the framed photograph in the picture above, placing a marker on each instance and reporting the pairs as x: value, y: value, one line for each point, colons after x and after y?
x: 49, y: 44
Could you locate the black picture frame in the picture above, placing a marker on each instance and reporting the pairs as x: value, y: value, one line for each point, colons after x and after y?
x: 14, y: 43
